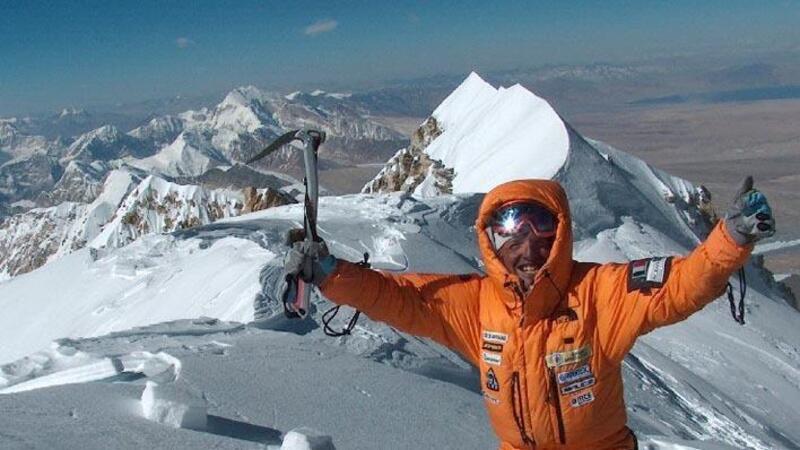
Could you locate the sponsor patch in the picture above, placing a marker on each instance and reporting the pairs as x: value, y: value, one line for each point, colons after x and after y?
x: 577, y: 386
x: 489, y: 398
x: 491, y: 381
x: 656, y: 270
x: 648, y: 273
x: 494, y: 336
x: 574, y: 375
x: 492, y: 358
x: 492, y: 347
x: 581, y: 400
x: 559, y: 359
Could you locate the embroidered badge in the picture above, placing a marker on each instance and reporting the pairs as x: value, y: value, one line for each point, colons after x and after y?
x: 492, y: 347
x: 581, y: 400
x: 639, y: 270
x: 559, y: 359
x: 491, y: 381
x: 494, y: 336
x: 492, y: 358
x: 577, y: 386
x: 574, y: 375
x: 648, y: 273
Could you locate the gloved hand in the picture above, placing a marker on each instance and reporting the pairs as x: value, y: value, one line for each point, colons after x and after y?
x: 750, y: 218
x: 311, y: 261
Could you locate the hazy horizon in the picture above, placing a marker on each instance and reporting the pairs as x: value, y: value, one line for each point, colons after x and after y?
x: 92, y: 53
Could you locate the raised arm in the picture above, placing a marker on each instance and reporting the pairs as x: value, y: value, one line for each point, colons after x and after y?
x: 633, y: 299
x: 441, y: 307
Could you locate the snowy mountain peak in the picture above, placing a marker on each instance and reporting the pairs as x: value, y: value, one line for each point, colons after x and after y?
x: 510, y: 133
x: 106, y: 133
x: 513, y: 134
x: 243, y: 96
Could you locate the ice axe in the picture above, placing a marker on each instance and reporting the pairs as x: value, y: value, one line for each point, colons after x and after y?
x: 298, y: 294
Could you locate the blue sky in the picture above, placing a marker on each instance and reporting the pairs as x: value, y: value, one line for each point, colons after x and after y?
x: 62, y: 53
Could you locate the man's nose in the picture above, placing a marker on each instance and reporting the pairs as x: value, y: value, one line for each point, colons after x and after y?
x: 533, y: 246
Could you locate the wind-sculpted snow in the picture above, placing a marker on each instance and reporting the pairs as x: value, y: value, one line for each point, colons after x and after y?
x: 258, y: 386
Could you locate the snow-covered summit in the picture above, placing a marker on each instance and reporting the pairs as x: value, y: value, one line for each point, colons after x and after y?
x: 105, y: 143
x: 481, y: 136
x: 160, y: 130
x: 508, y: 133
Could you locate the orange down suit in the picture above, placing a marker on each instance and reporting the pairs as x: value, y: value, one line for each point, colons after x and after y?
x: 550, y: 360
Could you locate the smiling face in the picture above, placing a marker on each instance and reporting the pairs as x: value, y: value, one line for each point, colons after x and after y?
x: 525, y: 255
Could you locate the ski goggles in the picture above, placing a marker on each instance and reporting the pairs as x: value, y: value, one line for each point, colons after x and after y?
x: 516, y: 221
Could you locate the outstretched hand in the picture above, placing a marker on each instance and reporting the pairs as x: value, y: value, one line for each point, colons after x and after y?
x: 311, y: 261
x: 750, y: 217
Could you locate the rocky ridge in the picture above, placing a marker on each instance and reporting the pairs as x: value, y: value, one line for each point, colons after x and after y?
x: 127, y: 208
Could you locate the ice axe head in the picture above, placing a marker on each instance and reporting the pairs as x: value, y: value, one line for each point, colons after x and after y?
x: 310, y: 138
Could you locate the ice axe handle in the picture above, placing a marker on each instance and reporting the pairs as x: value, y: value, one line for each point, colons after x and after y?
x: 296, y: 298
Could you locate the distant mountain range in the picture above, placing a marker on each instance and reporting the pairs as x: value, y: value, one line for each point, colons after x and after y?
x: 56, y: 158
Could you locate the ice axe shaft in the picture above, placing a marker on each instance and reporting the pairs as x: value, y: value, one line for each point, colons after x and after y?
x: 298, y: 293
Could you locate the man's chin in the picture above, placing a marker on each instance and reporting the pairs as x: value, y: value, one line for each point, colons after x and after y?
x: 526, y: 277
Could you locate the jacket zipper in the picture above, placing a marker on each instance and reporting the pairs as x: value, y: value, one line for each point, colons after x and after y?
x: 518, y: 408
x: 516, y: 378
x: 557, y: 403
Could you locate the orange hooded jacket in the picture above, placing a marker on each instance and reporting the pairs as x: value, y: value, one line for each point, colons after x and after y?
x: 550, y: 360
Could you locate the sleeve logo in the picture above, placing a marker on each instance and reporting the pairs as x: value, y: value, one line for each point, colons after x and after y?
x: 648, y: 273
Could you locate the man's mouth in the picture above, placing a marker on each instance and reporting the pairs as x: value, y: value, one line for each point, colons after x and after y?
x: 528, y: 269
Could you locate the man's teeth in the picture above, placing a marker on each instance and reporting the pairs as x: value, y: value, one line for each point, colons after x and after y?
x: 527, y: 268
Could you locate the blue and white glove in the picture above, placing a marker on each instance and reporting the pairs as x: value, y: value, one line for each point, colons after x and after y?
x: 310, y: 261
x: 750, y: 218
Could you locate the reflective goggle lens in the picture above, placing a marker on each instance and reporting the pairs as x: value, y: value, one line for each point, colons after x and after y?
x: 515, y: 221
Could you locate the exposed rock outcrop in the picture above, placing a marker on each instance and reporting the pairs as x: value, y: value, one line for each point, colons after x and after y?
x: 411, y: 166
x: 256, y: 200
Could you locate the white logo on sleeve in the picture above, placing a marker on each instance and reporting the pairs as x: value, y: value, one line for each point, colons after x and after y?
x: 656, y: 270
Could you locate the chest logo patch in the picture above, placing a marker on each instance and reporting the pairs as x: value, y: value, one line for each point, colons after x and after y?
x: 492, y: 347
x: 577, y: 355
x: 491, y: 381
x: 577, y: 386
x: 495, y: 337
x: 494, y: 359
x: 581, y: 400
x: 574, y: 375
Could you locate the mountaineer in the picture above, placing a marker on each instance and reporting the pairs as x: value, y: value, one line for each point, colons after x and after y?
x: 547, y: 333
